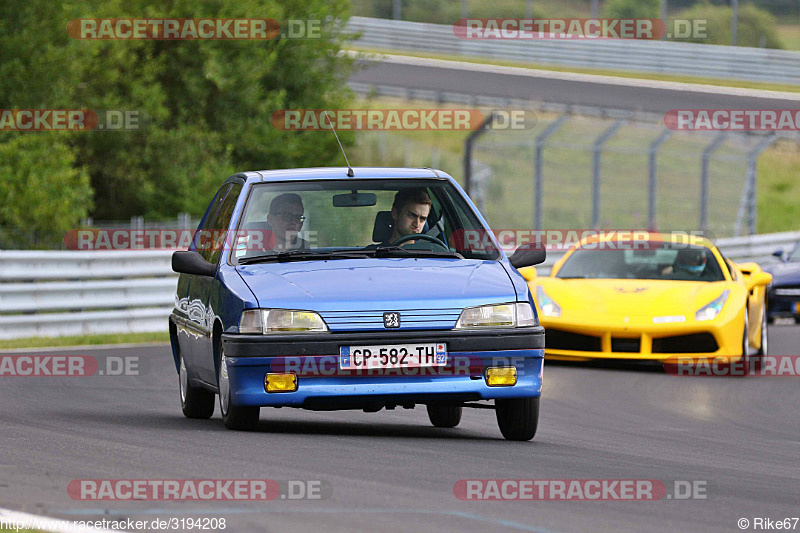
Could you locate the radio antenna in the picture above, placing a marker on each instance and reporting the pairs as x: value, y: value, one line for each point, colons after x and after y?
x: 350, y: 173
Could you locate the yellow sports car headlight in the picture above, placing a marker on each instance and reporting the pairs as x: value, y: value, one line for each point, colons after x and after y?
x: 547, y: 305
x: 258, y: 321
x: 712, y: 308
x: 516, y: 315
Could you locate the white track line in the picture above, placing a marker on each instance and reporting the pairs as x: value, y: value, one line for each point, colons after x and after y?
x: 571, y: 76
x: 45, y: 523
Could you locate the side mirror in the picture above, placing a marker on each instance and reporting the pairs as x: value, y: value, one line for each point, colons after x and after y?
x: 759, y: 279
x: 192, y: 263
x: 529, y: 273
x: 778, y: 254
x: 528, y: 254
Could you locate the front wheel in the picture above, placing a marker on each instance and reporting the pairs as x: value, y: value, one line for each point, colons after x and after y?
x: 517, y: 418
x: 444, y: 416
x: 233, y: 416
x: 196, y: 402
x: 763, y: 350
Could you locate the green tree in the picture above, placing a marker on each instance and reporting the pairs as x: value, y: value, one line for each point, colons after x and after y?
x: 629, y: 9
x: 44, y: 193
x: 756, y: 27
x: 204, y: 106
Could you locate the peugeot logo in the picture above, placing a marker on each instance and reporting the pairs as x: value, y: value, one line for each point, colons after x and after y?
x: 391, y: 320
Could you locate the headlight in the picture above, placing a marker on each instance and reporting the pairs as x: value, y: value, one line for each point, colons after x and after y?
x: 258, y: 321
x: 546, y: 304
x: 516, y: 315
x: 712, y: 309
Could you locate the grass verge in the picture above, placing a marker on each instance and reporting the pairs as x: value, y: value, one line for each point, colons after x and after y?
x: 84, y: 340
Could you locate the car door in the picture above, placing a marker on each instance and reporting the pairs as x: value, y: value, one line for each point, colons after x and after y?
x: 202, y: 287
x: 188, y: 312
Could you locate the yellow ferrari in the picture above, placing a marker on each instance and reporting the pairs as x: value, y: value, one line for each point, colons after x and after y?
x: 665, y: 297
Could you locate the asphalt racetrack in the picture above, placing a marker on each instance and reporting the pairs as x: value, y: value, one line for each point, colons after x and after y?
x: 738, y: 439
x: 579, y: 90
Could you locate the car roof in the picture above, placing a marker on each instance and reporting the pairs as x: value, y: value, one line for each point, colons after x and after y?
x: 339, y: 173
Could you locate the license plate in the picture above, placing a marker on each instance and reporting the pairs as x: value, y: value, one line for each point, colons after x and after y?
x: 392, y: 356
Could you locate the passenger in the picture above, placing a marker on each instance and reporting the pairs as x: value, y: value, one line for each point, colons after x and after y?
x: 286, y: 219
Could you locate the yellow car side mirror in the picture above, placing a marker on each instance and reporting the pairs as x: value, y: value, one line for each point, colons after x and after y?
x: 529, y: 273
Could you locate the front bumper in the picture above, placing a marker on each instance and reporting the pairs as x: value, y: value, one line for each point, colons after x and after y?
x: 721, y: 340
x: 322, y: 386
x: 782, y: 304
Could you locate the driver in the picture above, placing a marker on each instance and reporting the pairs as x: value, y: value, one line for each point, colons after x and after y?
x: 410, y: 211
x: 691, y: 262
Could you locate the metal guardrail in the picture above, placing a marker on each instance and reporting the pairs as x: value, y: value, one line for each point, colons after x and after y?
x: 51, y: 294
x: 58, y: 293
x: 664, y: 57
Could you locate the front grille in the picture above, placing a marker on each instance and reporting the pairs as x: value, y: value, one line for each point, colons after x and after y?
x: 626, y: 345
x: 416, y: 319
x: 564, y: 340
x: 694, y: 343
x: 787, y: 291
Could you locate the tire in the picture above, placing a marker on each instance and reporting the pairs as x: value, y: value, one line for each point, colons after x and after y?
x: 196, y: 402
x: 517, y: 418
x: 764, y: 344
x: 233, y: 416
x: 745, y: 361
x: 745, y: 339
x: 444, y: 416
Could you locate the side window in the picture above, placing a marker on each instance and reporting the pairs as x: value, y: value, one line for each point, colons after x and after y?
x: 199, y: 241
x: 221, y: 222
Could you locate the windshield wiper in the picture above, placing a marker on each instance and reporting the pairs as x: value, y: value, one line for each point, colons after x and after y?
x: 399, y: 251
x: 302, y: 255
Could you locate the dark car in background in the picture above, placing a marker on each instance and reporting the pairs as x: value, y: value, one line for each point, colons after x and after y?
x: 783, y: 298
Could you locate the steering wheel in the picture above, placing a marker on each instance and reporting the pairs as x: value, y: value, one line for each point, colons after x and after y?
x: 415, y: 236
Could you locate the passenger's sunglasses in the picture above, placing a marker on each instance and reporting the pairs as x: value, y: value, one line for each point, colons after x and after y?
x: 291, y: 217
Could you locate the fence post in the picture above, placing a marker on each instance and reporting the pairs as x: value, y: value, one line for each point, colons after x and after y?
x: 707, y: 151
x: 752, y: 171
x: 652, y: 189
x: 480, y: 130
x: 538, y: 177
x: 597, y: 151
x: 748, y: 204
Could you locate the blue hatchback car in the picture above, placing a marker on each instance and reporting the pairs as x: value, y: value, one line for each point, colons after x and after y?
x: 365, y: 288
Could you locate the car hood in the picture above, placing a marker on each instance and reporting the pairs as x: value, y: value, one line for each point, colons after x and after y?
x: 384, y: 284
x: 630, y: 298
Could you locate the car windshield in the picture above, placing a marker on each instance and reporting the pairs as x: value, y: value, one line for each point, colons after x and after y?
x: 644, y: 260
x: 327, y: 219
x: 795, y: 255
